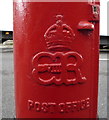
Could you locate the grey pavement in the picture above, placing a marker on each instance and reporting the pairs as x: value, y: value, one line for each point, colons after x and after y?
x: 8, y: 104
x: 103, y: 64
x: 0, y: 85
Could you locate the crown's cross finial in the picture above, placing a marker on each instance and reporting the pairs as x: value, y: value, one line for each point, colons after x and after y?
x: 59, y: 19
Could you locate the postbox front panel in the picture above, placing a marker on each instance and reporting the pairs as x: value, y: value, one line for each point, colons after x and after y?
x: 56, y: 59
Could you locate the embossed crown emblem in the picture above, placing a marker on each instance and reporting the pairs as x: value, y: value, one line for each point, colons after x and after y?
x: 60, y: 65
x: 59, y: 36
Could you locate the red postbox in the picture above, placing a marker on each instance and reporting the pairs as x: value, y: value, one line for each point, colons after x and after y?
x: 56, y: 51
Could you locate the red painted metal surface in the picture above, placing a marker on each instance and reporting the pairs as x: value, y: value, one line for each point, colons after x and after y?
x: 56, y: 63
x: 85, y: 25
